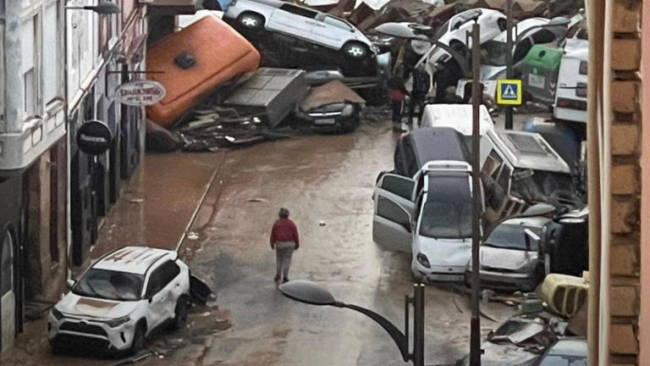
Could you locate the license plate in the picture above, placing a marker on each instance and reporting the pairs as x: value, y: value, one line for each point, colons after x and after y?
x: 325, y: 121
x: 536, y: 81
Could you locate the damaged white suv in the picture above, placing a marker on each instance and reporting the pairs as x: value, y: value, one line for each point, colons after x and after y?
x: 120, y: 299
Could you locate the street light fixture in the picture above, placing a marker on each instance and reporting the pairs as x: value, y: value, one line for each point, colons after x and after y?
x: 312, y: 293
x: 102, y: 7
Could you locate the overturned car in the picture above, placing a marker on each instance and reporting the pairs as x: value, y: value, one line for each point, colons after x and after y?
x: 332, y: 107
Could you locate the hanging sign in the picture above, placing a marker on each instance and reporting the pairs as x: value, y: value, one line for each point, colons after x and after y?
x: 94, y: 137
x: 140, y: 93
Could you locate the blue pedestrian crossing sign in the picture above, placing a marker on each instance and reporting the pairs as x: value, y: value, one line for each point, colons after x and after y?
x: 509, y: 92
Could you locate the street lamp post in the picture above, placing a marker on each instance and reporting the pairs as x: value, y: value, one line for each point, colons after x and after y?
x: 314, y: 294
x: 475, y: 322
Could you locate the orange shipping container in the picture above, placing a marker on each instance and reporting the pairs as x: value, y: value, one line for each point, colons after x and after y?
x: 193, y: 62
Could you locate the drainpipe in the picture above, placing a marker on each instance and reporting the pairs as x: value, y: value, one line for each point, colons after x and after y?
x: 606, y: 199
x: 594, y: 17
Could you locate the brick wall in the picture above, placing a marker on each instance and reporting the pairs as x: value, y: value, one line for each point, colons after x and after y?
x: 625, y: 183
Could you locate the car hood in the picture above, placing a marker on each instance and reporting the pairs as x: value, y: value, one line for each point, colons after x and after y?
x: 444, y: 254
x: 509, y: 260
x: 89, y: 307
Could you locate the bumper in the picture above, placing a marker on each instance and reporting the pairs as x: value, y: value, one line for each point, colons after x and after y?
x: 453, y: 274
x: 69, y: 332
x: 505, y: 281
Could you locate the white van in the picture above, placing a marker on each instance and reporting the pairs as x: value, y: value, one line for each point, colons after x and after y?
x: 429, y: 216
x: 571, y: 94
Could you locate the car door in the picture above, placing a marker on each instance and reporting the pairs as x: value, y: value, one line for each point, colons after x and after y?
x: 293, y: 20
x: 393, y: 212
x: 163, y: 289
x: 156, y: 299
x: 331, y: 32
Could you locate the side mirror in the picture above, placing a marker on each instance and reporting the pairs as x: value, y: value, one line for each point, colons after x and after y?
x: 70, y: 282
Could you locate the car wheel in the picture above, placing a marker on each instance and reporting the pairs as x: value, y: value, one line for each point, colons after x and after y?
x: 250, y: 22
x: 356, y: 50
x: 349, y: 125
x: 138, y: 342
x: 180, y: 314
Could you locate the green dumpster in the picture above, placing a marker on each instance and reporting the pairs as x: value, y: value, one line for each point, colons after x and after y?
x: 540, y: 71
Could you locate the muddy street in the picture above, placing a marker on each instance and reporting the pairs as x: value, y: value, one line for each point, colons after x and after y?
x: 327, y: 183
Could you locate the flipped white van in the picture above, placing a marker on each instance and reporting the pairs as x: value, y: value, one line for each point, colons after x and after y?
x: 571, y: 94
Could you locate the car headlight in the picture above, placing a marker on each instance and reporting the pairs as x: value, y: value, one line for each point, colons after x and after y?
x: 347, y: 111
x: 423, y: 260
x: 374, y: 48
x: 117, y: 321
x: 57, y: 314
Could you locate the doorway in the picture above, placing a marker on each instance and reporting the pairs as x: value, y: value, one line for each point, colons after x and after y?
x: 7, y: 293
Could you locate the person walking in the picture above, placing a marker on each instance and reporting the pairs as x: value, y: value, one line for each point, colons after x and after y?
x: 421, y: 86
x: 284, y: 240
x: 398, y: 93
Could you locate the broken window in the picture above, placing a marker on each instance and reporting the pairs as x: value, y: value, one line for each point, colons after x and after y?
x: 512, y: 236
x: 168, y: 271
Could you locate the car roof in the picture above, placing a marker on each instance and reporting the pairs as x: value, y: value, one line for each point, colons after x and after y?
x: 572, y: 346
x: 134, y: 259
x: 456, y: 116
x: 438, y: 143
x: 527, y: 150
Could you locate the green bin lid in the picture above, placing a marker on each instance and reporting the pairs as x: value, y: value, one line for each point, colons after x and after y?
x: 543, y: 57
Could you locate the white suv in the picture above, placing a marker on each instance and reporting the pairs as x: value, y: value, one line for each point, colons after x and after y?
x: 302, y: 23
x: 120, y: 299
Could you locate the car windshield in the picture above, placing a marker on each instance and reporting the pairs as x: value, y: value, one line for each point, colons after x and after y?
x: 493, y: 53
x: 111, y: 285
x: 447, y: 214
x: 556, y: 360
x: 512, y: 236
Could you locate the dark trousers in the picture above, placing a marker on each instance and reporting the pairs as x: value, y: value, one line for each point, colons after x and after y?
x: 418, y: 102
x: 397, y: 105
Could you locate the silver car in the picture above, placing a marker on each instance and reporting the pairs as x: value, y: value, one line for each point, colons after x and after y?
x: 302, y: 23
x: 509, y: 260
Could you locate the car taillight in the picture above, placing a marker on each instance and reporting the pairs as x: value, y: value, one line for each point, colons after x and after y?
x: 423, y: 260
x: 572, y: 104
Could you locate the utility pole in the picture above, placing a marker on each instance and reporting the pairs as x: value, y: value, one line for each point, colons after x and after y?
x: 418, y: 326
x: 509, y: 47
x: 475, y: 326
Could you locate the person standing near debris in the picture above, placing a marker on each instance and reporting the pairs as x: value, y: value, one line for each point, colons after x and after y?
x: 421, y: 86
x: 284, y: 240
x: 398, y: 94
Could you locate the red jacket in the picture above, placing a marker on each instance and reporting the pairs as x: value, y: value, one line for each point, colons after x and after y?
x: 284, y: 230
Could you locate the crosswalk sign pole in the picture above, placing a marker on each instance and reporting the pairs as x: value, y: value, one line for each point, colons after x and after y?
x: 509, y: 59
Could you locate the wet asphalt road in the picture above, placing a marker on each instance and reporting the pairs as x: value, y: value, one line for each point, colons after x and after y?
x: 327, y: 183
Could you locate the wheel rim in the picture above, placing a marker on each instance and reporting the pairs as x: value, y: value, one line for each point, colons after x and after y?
x: 356, y: 51
x: 249, y: 22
